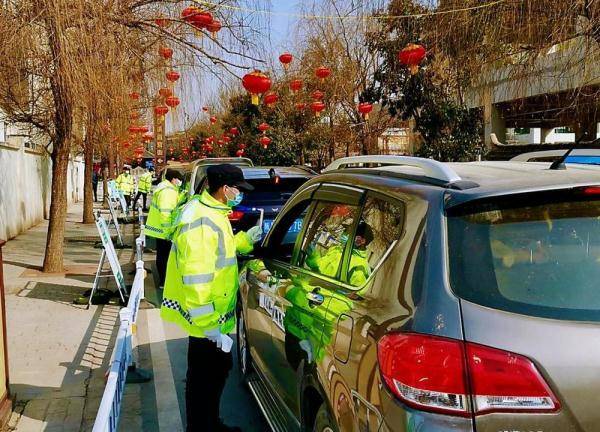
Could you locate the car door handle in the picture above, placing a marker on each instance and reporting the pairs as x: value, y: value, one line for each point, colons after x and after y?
x: 314, y: 298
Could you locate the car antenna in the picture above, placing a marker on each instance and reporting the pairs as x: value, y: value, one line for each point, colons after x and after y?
x: 559, y: 164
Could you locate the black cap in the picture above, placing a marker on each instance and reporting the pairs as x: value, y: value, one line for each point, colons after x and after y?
x: 226, y: 174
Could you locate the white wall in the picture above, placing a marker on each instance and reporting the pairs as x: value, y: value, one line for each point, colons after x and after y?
x: 25, y: 185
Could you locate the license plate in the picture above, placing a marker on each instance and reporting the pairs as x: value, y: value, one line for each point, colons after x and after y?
x: 295, y: 228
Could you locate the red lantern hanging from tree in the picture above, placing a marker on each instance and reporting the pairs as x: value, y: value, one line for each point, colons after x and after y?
x: 165, y: 52
x: 172, y: 101
x: 256, y: 83
x: 147, y: 137
x: 234, y: 131
x: 133, y: 129
x: 285, y: 59
x: 365, y: 108
x: 295, y: 85
x: 239, y: 153
x: 134, y: 115
x: 322, y: 72
x: 165, y: 92
x: 172, y: 76
x: 162, y: 22
x: 226, y: 139
x: 300, y: 106
x: 125, y: 144
x: 143, y: 129
x: 318, y: 95
x: 189, y: 13
x: 213, y: 119
x: 411, y: 56
x: 317, y: 107
x: 270, y: 99
x: 264, y: 141
x: 202, y: 19
x: 264, y: 127
x: 214, y: 27
x: 134, y: 96
x: 161, y: 110
x: 242, y: 146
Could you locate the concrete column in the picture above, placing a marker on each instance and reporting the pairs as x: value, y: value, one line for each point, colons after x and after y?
x: 493, y: 121
x: 544, y: 132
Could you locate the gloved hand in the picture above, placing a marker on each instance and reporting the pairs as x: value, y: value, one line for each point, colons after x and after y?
x: 255, y: 233
x: 216, y: 338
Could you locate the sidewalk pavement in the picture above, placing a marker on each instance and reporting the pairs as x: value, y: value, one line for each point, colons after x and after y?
x: 59, y: 352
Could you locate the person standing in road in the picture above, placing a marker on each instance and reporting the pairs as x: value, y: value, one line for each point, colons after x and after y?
x: 144, y: 187
x: 124, y: 183
x: 201, y: 290
x: 160, y: 219
x: 95, y: 179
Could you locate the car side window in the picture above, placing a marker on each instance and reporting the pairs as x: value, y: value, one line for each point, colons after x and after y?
x: 325, y: 240
x: 283, y: 235
x: 380, y: 224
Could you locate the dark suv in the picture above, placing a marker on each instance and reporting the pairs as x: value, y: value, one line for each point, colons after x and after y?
x: 421, y: 296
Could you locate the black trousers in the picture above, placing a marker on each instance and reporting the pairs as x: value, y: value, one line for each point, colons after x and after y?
x: 95, y: 189
x: 144, y: 198
x: 128, y: 200
x: 208, y: 369
x: 163, y: 247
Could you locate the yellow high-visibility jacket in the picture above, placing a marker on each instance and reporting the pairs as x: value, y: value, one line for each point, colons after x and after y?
x: 202, y: 273
x: 162, y: 211
x: 125, y: 183
x: 145, y: 182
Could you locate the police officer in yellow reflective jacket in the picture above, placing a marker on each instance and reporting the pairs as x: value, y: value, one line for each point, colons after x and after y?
x: 161, y: 217
x: 144, y: 187
x: 201, y: 290
x: 124, y: 183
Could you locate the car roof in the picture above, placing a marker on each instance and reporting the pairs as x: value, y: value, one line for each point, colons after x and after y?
x: 260, y: 172
x: 222, y: 160
x: 551, y: 153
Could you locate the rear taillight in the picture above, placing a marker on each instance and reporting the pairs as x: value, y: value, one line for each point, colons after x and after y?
x: 439, y: 374
x: 236, y: 216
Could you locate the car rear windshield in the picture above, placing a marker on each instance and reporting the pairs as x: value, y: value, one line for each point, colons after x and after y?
x: 537, y: 255
x: 272, y: 191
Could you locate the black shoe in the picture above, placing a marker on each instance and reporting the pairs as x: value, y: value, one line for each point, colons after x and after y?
x: 224, y: 428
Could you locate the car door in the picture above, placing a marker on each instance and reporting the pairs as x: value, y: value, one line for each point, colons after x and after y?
x: 304, y: 291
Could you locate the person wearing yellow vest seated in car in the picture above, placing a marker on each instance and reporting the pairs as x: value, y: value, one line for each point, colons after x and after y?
x: 124, y: 183
x: 161, y: 217
x: 201, y: 290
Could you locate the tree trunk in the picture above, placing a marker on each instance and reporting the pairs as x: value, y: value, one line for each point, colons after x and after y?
x: 88, y: 193
x: 53, y: 259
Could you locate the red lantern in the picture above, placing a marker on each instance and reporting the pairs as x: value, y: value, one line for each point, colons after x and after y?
x: 300, y: 106
x: 322, y: 72
x: 213, y: 119
x: 143, y: 129
x: 172, y: 101
x: 239, y: 153
x: 256, y: 83
x: 165, y: 52
x: 242, y: 146
x: 161, y: 110
x: 234, y: 131
x: 264, y: 141
x: 317, y: 107
x: 162, y: 22
x: 220, y: 142
x: 226, y: 139
x: 202, y: 19
x: 189, y: 13
x: 214, y: 27
x: 271, y: 99
x: 295, y: 85
x: 125, y: 143
x: 147, y: 137
x: 172, y: 76
x: 317, y: 95
x: 209, y: 148
x: 165, y: 92
x: 134, y: 115
x: 264, y: 127
x: 134, y: 96
x: 365, y: 108
x: 412, y: 56
x: 133, y: 129
x: 285, y: 59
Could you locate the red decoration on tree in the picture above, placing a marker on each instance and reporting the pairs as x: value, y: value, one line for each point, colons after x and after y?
x: 242, y: 146
x: 264, y: 127
x: 214, y: 27
x: 213, y: 119
x: 285, y: 59
x: 226, y: 138
x: 161, y: 110
x: 162, y: 22
x: 134, y: 96
x: 300, y: 106
x: 411, y: 56
x: 234, y: 131
x: 220, y: 142
x: 172, y: 101
x: 322, y: 72
x: 317, y: 95
x: 147, y: 137
x: 134, y: 115
x: 239, y: 153
x: 125, y: 144
x: 202, y: 19
x: 271, y: 99
x: 172, y: 76
x: 317, y: 107
x: 165, y: 52
x: 264, y: 141
x: 256, y: 83
x: 189, y: 13
x: 365, y: 108
x: 295, y: 85
x: 165, y: 92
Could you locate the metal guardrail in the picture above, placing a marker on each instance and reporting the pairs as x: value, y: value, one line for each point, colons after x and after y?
x: 107, y: 418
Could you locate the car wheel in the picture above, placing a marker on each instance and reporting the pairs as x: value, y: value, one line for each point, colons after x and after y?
x: 243, y: 354
x: 324, y: 421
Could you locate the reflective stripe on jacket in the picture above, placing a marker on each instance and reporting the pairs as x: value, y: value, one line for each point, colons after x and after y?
x: 202, y: 273
x: 145, y: 182
x: 162, y: 211
x: 125, y: 184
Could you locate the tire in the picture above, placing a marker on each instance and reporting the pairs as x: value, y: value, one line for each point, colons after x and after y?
x: 324, y: 420
x: 243, y: 353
